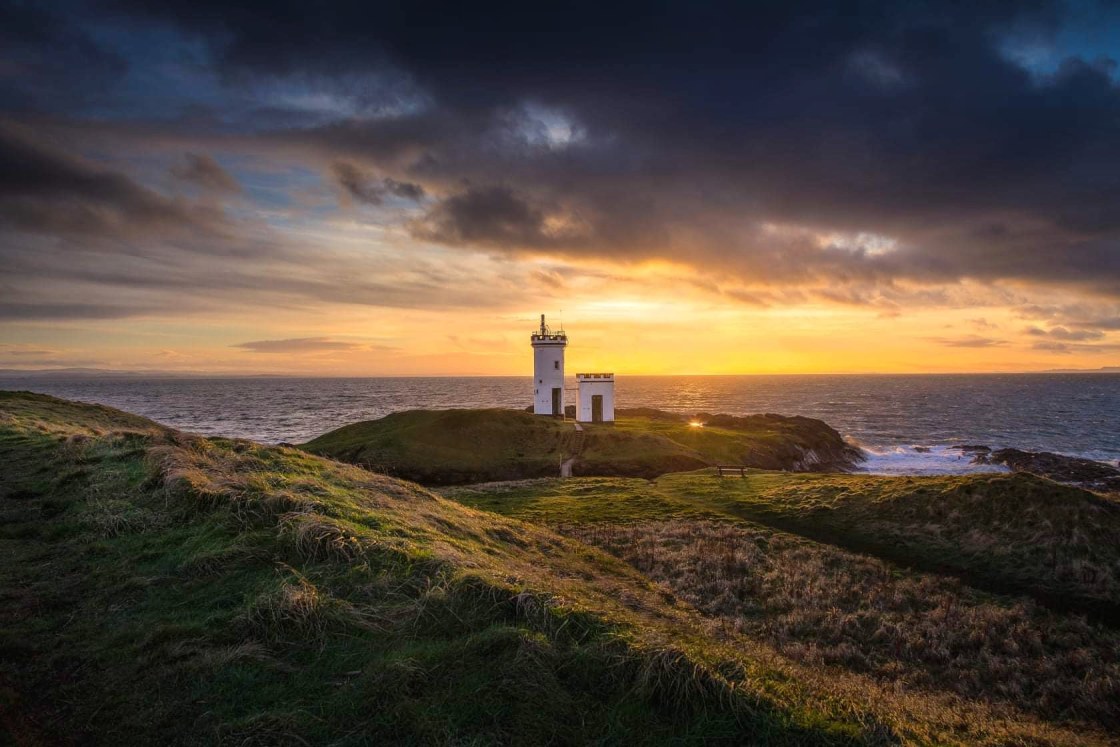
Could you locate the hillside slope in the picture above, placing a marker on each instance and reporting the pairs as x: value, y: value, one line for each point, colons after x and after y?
x: 267, y: 595
x: 920, y: 615
x: 1015, y: 533
x: 165, y: 588
x: 448, y: 447
x: 1011, y: 532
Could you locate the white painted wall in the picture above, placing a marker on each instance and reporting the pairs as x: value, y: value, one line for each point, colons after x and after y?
x: 592, y: 384
x: 548, y: 372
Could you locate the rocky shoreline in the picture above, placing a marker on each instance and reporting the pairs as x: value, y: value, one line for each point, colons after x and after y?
x: 1084, y: 473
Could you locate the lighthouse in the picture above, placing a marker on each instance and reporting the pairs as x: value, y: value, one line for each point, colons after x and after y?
x: 548, y: 370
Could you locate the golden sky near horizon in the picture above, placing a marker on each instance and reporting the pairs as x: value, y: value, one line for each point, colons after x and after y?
x: 657, y: 324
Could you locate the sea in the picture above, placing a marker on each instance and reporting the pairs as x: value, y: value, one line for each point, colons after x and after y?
x: 907, y: 424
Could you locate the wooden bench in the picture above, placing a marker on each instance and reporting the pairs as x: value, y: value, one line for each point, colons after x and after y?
x: 732, y: 468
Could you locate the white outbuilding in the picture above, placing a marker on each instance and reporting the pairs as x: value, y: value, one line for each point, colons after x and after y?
x: 596, y: 398
x: 548, y: 370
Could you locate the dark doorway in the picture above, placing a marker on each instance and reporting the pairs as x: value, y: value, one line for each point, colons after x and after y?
x: 557, y: 408
x: 596, y: 408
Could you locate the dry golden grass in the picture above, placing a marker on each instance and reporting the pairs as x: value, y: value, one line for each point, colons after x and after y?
x: 1009, y: 530
x: 1007, y: 533
x: 826, y: 607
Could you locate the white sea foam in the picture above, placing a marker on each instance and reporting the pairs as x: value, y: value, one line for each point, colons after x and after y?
x: 923, y: 460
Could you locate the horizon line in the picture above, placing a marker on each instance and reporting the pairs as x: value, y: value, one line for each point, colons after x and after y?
x: 109, y: 373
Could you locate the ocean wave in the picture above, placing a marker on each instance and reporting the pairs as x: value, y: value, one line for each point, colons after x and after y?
x: 922, y: 460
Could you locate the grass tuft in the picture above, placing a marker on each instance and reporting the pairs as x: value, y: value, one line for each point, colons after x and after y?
x: 294, y: 609
x: 321, y: 538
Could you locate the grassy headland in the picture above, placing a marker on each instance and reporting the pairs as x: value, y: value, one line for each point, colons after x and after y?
x: 447, y: 447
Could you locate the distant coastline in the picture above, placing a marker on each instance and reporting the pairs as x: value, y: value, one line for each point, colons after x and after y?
x: 51, y: 373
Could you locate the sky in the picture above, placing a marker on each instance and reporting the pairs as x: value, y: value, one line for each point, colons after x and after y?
x: 366, y: 188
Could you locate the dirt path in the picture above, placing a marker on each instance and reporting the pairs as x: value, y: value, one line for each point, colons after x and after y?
x: 566, y: 465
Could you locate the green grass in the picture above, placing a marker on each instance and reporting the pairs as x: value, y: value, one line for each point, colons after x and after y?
x: 447, y: 447
x: 439, y: 447
x: 1008, y: 532
x: 761, y: 441
x: 160, y: 588
x: 163, y: 588
x: 577, y: 500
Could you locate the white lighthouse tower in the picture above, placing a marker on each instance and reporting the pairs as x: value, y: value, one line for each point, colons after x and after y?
x: 548, y: 370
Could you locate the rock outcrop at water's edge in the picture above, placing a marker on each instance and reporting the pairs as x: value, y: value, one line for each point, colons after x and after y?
x: 1084, y: 473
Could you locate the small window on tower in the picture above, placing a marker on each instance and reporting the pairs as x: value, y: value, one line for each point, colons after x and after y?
x: 556, y: 365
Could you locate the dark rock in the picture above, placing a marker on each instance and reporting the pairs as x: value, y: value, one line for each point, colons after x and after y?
x: 978, y: 452
x: 972, y: 448
x: 1084, y: 473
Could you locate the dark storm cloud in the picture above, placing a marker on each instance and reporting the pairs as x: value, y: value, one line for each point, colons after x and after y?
x: 900, y: 119
x: 43, y: 190
x: 490, y: 216
x: 82, y: 241
x: 203, y: 171
x: 854, y: 146
x: 366, y: 189
x: 48, y: 61
x: 46, y: 310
